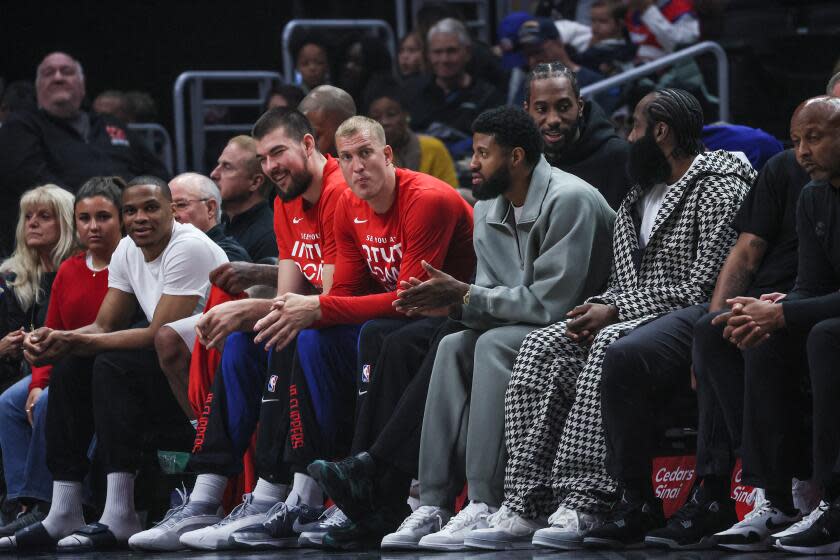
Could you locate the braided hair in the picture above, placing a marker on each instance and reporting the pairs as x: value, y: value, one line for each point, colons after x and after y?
x: 682, y: 113
x: 546, y: 70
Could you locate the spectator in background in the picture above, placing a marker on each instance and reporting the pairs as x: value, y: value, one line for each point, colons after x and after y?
x: 18, y: 96
x: 312, y: 63
x: 833, y: 88
x: 61, y: 144
x: 286, y: 95
x: 411, y: 60
x: 114, y: 103
x: 141, y: 107
x: 541, y: 43
x: 610, y: 50
x: 77, y: 291
x: 754, y: 143
x: 364, y: 68
x: 44, y: 240
x: 418, y: 152
x: 660, y: 27
x: 196, y: 200
x: 445, y: 104
x: 247, y: 215
x: 577, y: 137
x: 326, y: 107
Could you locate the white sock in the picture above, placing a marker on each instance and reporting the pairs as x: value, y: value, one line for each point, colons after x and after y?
x: 119, y: 514
x: 305, y: 491
x: 209, y: 488
x: 65, y: 514
x: 266, y: 491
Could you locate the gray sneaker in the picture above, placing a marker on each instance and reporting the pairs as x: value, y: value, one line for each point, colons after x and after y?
x: 217, y: 537
x: 279, y: 528
x: 188, y: 516
x: 312, y: 534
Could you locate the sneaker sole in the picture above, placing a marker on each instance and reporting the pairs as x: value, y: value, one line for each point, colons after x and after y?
x: 399, y: 545
x: 345, y: 502
x: 610, y: 544
x: 751, y: 547
x: 557, y: 543
x: 497, y: 545
x: 831, y: 548
x: 311, y: 539
x: 706, y: 543
x: 264, y: 544
x: 449, y: 547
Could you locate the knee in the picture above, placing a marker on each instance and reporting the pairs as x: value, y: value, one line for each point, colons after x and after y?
x: 622, y: 360
x: 171, y: 351
x: 824, y: 339
x: 308, y: 342
x: 705, y: 333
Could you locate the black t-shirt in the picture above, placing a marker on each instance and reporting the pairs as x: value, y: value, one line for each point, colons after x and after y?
x: 769, y: 211
x: 254, y: 229
x: 231, y: 247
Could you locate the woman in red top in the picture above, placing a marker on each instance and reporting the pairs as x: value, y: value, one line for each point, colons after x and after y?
x: 77, y: 292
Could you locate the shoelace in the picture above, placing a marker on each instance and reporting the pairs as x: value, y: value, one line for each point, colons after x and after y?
x: 238, y: 511
x: 563, y: 517
x: 336, y: 518
x: 461, y: 520
x: 278, y: 509
x: 182, y: 493
x: 417, y: 518
x: 762, y: 506
x: 501, y: 517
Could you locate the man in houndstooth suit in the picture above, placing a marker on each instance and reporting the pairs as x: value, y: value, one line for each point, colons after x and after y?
x: 672, y: 234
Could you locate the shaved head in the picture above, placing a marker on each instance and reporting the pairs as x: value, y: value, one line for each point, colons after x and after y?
x: 815, y: 132
x: 326, y: 107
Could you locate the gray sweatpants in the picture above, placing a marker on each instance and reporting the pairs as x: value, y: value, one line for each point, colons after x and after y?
x: 464, y: 420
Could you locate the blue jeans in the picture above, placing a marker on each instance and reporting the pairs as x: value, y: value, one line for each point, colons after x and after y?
x: 24, y: 446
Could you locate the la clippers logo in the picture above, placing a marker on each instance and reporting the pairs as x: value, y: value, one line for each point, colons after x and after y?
x: 295, y: 421
x: 118, y: 136
x: 201, y: 428
x: 272, y: 383
x: 366, y: 373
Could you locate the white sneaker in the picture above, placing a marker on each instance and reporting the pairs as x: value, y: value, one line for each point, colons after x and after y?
x: 505, y: 530
x: 422, y: 521
x: 753, y: 532
x: 186, y: 517
x: 800, y: 526
x: 451, y: 536
x: 566, y: 529
x: 217, y: 537
x: 312, y: 535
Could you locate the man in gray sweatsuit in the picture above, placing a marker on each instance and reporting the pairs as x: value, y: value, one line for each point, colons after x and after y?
x: 543, y: 243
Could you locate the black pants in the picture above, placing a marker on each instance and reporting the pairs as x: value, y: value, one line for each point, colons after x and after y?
x: 823, y: 348
x: 126, y: 398
x: 391, y: 418
x: 641, y: 370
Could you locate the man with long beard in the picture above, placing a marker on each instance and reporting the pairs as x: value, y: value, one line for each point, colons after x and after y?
x: 542, y: 246
x: 671, y: 237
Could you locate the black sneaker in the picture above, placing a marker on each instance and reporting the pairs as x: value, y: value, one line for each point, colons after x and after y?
x: 26, y: 519
x: 823, y: 537
x: 350, y: 483
x: 626, y: 525
x: 693, y: 526
x: 280, y: 528
x: 368, y: 532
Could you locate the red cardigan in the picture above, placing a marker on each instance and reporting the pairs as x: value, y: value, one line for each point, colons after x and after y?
x: 77, y: 293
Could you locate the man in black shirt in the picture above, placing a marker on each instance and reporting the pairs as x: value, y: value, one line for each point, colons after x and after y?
x: 577, y: 136
x: 247, y: 215
x: 635, y: 380
x: 61, y: 144
x: 445, y: 104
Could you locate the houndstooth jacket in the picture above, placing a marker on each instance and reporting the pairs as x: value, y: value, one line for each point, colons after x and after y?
x: 690, y: 240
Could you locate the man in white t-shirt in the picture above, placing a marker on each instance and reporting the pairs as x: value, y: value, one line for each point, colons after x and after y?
x: 107, y: 377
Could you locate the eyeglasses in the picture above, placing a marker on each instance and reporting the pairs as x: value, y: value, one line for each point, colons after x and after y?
x: 185, y: 203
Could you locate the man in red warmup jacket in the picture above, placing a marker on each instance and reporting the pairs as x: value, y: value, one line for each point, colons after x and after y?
x: 389, y: 222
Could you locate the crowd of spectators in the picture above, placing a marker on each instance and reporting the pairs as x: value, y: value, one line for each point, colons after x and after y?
x: 442, y: 272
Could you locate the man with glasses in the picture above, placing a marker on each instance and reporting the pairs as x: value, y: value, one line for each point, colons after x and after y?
x: 59, y: 143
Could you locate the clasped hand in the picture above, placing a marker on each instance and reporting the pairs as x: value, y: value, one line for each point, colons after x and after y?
x: 588, y: 319
x: 290, y: 314
x: 435, y: 297
x: 751, y: 321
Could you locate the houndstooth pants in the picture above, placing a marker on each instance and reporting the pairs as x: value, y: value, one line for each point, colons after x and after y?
x: 553, y: 428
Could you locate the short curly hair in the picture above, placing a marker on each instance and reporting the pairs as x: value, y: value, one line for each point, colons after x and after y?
x: 511, y: 127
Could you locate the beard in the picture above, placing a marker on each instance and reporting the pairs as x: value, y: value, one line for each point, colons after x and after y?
x: 494, y: 185
x: 298, y: 183
x: 554, y: 152
x: 646, y: 164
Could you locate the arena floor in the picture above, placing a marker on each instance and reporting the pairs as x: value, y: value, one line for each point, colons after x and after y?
x: 310, y: 554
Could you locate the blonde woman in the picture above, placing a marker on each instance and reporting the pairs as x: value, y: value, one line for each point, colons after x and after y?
x: 45, y: 237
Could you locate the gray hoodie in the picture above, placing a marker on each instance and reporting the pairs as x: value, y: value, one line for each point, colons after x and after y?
x: 560, y: 254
